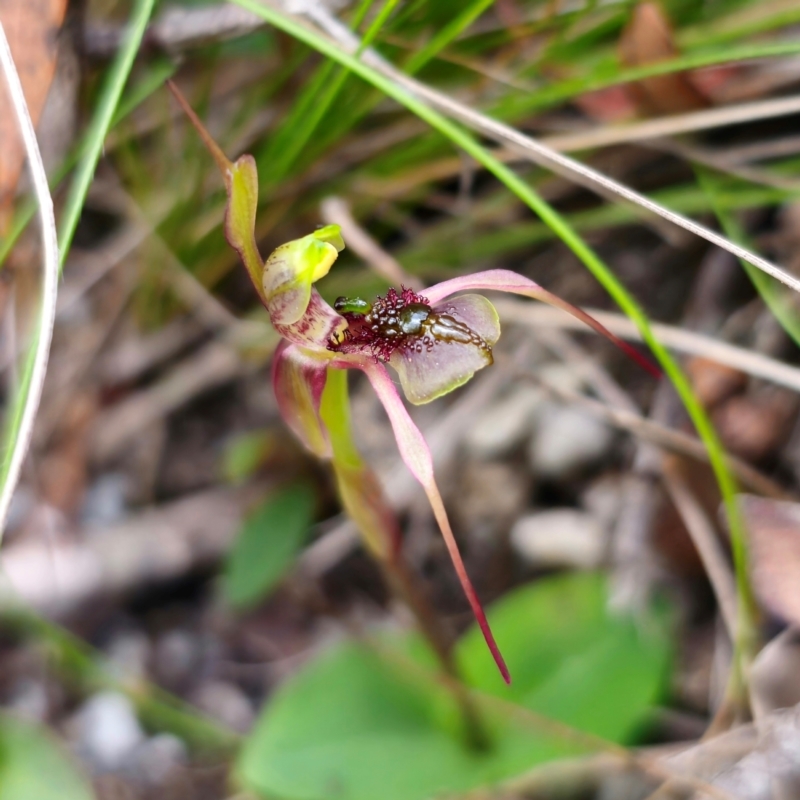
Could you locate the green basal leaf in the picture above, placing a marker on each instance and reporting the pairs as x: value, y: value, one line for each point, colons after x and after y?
x: 33, y: 766
x: 267, y: 545
x: 244, y: 454
x: 359, y: 725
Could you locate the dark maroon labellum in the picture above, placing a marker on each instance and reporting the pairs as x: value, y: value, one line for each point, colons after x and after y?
x: 399, y: 321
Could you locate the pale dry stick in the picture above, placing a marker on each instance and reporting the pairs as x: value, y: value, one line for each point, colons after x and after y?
x: 719, y: 162
x: 198, y: 299
x: 49, y: 284
x: 211, y: 366
x: 99, y: 263
x: 672, y: 337
x: 762, y: 151
x: 666, y: 438
x: 336, y: 211
x: 177, y: 28
x: 533, y: 149
x: 674, y: 125
x: 704, y: 536
x: 570, y: 352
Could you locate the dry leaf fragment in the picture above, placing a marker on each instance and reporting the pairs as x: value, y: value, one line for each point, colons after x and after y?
x: 647, y: 40
x: 774, y: 529
x: 32, y: 28
x: 755, y: 426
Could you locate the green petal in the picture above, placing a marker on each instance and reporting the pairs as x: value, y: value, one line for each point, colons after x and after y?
x: 293, y: 267
x: 432, y: 373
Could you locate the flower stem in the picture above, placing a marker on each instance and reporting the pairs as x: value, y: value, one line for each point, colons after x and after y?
x: 365, y: 504
x: 405, y: 585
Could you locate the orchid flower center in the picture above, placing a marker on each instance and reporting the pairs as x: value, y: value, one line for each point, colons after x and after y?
x: 403, y: 321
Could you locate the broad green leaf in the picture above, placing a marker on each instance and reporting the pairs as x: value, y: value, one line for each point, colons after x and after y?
x: 33, y: 766
x: 570, y: 658
x: 244, y: 454
x: 358, y: 725
x: 267, y: 545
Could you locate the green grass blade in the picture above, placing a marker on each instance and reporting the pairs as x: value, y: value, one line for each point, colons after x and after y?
x: 315, y: 101
x: 345, y: 121
x: 781, y: 302
x: 153, y: 81
x: 604, y: 275
x: 101, y: 122
x: 609, y: 73
x: 447, y: 34
x: 89, y: 669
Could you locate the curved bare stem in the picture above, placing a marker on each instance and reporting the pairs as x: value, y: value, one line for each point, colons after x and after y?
x: 24, y: 407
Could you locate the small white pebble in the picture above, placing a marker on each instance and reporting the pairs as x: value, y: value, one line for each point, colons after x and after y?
x: 505, y: 424
x: 567, y: 441
x: 562, y: 537
x: 158, y: 756
x: 108, y: 731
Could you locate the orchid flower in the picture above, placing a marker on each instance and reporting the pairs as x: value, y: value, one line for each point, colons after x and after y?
x: 435, y: 342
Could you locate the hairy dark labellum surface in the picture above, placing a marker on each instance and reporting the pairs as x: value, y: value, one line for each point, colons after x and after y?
x: 403, y: 321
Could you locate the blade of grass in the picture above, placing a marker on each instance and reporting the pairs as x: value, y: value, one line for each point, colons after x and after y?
x: 346, y: 120
x: 152, y: 81
x: 88, y: 668
x: 746, y: 628
x: 107, y: 104
x: 608, y: 73
x: 315, y: 100
x: 568, y: 167
x: 25, y: 403
x: 780, y: 301
x: 447, y: 34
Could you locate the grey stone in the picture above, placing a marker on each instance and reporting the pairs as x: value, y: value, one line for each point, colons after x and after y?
x: 567, y: 441
x: 105, y: 501
x: 226, y: 703
x: 128, y: 654
x: 177, y: 654
x: 559, y: 537
x: 505, y: 424
x: 29, y: 700
x: 108, y: 732
x: 603, y: 499
x: 157, y: 757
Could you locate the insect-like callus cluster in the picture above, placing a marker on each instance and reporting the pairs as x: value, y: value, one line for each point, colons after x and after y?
x: 400, y: 321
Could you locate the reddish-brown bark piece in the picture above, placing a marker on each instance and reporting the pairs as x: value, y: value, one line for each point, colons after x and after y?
x: 32, y: 28
x: 648, y: 39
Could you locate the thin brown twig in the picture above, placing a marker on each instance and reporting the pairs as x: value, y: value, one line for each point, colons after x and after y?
x: 679, y: 339
x: 704, y: 536
x: 672, y: 440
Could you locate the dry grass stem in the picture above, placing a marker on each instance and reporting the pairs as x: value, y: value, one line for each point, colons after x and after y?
x: 669, y: 439
x: 531, y: 148
x: 679, y: 339
x: 705, y: 539
x: 674, y: 125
